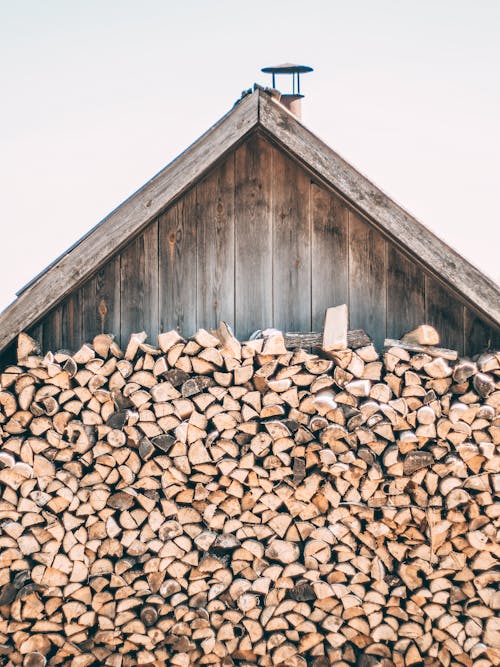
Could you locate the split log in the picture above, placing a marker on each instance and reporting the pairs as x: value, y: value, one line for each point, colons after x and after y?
x: 335, y: 328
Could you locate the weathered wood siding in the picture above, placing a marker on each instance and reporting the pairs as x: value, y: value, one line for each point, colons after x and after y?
x: 258, y: 242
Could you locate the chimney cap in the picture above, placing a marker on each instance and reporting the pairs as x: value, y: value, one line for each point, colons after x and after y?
x: 287, y: 68
x: 291, y: 100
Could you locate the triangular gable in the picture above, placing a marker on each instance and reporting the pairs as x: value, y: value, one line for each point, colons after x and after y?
x: 258, y: 110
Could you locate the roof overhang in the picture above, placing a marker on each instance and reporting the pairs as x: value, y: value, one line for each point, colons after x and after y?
x: 261, y: 111
x: 477, y: 291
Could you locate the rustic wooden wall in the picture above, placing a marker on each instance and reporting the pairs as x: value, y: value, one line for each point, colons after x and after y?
x: 258, y: 243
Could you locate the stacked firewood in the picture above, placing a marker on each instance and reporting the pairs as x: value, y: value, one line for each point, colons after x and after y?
x: 211, y: 502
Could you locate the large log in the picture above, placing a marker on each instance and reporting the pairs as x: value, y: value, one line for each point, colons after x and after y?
x: 356, y: 338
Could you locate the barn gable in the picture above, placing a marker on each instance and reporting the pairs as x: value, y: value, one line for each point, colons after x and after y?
x: 258, y: 223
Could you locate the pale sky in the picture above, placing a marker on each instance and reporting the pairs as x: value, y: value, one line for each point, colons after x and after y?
x: 98, y: 95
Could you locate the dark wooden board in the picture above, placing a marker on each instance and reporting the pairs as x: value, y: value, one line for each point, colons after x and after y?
x: 72, y: 321
x: 177, y: 266
x: 253, y: 237
x: 495, y: 339
x: 139, y: 285
x: 367, y: 279
x: 478, y: 336
x: 446, y: 314
x: 291, y: 245
x: 101, y: 301
x: 9, y: 353
x: 52, y: 330
x: 329, y: 253
x: 405, y: 293
x: 215, y: 246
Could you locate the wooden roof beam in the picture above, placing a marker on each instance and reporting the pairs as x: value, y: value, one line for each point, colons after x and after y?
x: 126, y: 221
x: 478, y: 291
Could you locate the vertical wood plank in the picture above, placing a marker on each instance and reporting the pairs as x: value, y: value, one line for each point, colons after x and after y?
x: 478, y: 336
x: 291, y: 245
x: 405, y: 293
x: 367, y: 279
x: 445, y: 314
x: 329, y: 249
x: 495, y: 339
x: 139, y: 285
x: 215, y: 243
x: 253, y: 237
x: 72, y: 321
x: 101, y: 302
x: 8, y: 355
x: 52, y: 330
x: 177, y: 266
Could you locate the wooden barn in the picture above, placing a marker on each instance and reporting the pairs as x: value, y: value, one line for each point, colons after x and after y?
x: 260, y: 224
x: 214, y: 499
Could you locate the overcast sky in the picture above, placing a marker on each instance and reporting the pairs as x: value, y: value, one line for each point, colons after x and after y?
x: 98, y: 95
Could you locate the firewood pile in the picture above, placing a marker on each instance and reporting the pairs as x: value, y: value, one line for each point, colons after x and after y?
x: 211, y: 502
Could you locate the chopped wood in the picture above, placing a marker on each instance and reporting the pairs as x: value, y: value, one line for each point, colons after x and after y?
x: 484, y: 384
x: 422, y: 335
x: 335, y: 328
x: 416, y: 460
x: 26, y: 346
x: 208, y: 501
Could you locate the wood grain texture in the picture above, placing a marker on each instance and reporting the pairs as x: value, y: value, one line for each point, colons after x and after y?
x: 82, y: 260
x: 446, y: 314
x: 178, y: 266
x: 495, y: 339
x: 291, y: 245
x: 367, y: 279
x: 478, y: 336
x: 329, y: 253
x: 405, y: 293
x: 139, y: 285
x: 8, y: 355
x: 215, y: 246
x: 481, y: 293
x: 253, y: 237
x: 71, y: 315
x: 52, y: 330
x: 101, y: 301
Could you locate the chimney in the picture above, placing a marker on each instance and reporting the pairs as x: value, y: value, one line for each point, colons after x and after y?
x: 291, y: 100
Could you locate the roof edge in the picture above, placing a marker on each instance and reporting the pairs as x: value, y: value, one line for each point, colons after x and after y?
x: 255, y: 110
x: 89, y: 253
x: 441, y: 260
